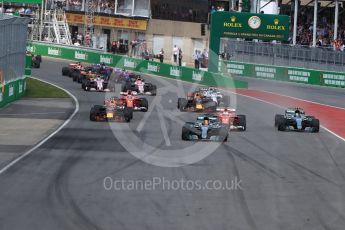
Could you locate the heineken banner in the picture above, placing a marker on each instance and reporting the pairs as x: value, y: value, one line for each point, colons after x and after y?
x: 12, y: 91
x: 245, y: 25
x: 280, y: 73
x: 161, y: 69
x: 15, y: 89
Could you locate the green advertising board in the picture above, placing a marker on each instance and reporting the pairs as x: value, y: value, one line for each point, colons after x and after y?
x: 245, y: 25
x: 12, y: 91
x: 281, y: 73
x: 140, y: 65
x: 15, y: 89
x: 24, y: 1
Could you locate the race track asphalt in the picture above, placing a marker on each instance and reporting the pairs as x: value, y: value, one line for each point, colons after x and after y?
x: 287, y: 180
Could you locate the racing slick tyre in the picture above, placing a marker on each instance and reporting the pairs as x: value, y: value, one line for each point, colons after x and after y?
x: 36, y: 63
x: 242, y: 122
x: 277, y: 118
x: 92, y: 116
x: 83, y: 81
x: 315, y: 124
x: 182, y: 104
x: 178, y: 103
x: 80, y: 78
x: 281, y: 124
x: 85, y: 86
x: 185, y: 134
x: 75, y: 76
x: 39, y: 58
x: 223, y: 134
x: 154, y: 90
x: 128, y: 114
x: 144, y: 103
x: 94, y: 111
x: 65, y: 71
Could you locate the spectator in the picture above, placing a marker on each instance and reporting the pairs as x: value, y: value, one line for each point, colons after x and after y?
x: 196, y: 59
x: 79, y: 36
x: 146, y: 55
x: 213, y: 9
x: 175, y: 53
x: 204, y: 57
x: 180, y: 57
x: 28, y: 11
x: 133, y: 47
x: 161, y: 55
x: 113, y: 48
x: 88, y: 38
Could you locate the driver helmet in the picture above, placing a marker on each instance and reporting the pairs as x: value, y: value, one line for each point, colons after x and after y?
x: 206, y: 121
x: 297, y: 113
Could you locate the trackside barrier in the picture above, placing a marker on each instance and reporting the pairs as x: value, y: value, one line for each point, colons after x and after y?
x: 135, y: 64
x: 288, y: 74
x: 15, y: 89
x: 12, y: 91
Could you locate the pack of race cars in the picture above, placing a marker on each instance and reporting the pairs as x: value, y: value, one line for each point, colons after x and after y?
x: 97, y: 77
x: 214, y: 123
x: 218, y: 118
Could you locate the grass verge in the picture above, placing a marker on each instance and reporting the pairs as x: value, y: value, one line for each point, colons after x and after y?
x: 38, y: 89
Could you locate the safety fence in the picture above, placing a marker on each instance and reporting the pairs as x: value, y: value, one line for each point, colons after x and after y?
x: 288, y: 74
x: 135, y: 64
x: 267, y: 53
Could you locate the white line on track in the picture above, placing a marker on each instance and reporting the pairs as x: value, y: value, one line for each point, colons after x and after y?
x: 16, y: 160
x: 318, y: 103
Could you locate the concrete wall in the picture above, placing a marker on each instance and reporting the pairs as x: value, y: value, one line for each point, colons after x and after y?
x: 169, y: 29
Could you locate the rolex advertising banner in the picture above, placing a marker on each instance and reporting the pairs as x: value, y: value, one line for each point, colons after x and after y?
x: 255, y: 26
x: 245, y: 25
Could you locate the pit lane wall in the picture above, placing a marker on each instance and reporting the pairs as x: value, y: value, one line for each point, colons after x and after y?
x: 149, y: 67
x: 287, y: 74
